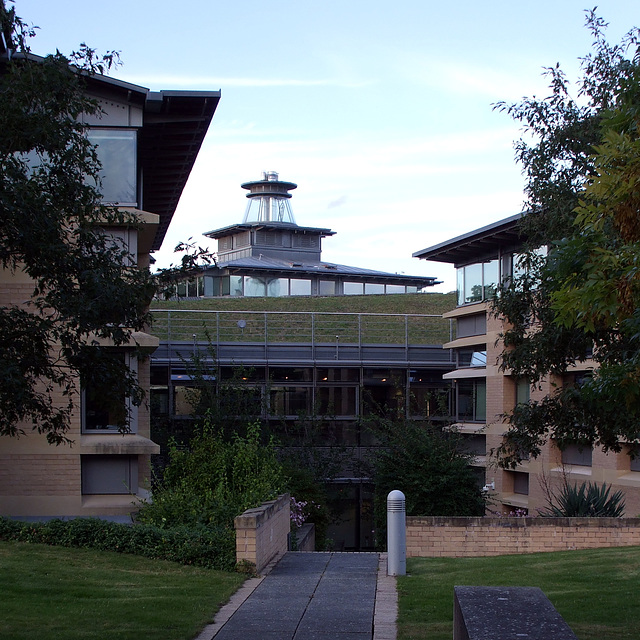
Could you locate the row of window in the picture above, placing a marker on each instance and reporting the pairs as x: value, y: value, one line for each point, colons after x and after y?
x: 266, y: 286
x: 478, y: 281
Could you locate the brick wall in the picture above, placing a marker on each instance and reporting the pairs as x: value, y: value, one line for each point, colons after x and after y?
x: 468, y: 537
x: 262, y: 533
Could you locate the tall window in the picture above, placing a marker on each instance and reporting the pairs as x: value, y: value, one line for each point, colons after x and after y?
x: 523, y: 391
x: 471, y: 399
x: 116, y: 149
x: 108, y: 412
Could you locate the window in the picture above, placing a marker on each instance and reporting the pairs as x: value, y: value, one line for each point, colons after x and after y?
x: 472, y: 358
x: 291, y: 374
x: 289, y: 401
x: 108, y: 412
x: 577, y: 454
x: 337, y: 401
x: 477, y: 282
x: 373, y: 288
x: 116, y: 149
x: 520, y: 483
x: 235, y: 286
x: 523, y: 391
x: 277, y: 287
x: 109, y: 474
x: 124, y: 240
x: 475, y: 325
x: 338, y: 375
x: 300, y: 287
x: 395, y: 288
x: 474, y: 444
x: 471, y: 397
x: 353, y: 288
x: 211, y: 286
x: 254, y: 287
x: 326, y: 288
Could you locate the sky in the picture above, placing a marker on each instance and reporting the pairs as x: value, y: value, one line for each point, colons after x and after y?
x: 380, y: 112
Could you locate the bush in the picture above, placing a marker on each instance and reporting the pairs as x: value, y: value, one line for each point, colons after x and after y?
x: 587, y: 501
x: 214, y: 480
x: 209, y: 547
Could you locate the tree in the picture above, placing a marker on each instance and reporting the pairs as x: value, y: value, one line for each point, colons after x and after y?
x: 50, y: 229
x: 429, y: 465
x: 581, y: 296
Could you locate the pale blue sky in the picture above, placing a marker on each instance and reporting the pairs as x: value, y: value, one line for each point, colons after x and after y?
x: 379, y: 111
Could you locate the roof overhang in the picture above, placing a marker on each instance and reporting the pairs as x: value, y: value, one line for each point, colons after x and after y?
x: 325, y: 270
x: 486, y: 241
x: 246, y: 226
x: 174, y: 126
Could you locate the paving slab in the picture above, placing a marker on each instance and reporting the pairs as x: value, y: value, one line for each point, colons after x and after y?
x: 315, y: 596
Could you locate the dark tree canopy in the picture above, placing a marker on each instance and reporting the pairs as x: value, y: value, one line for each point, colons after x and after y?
x: 429, y: 465
x: 51, y: 221
x: 581, y: 297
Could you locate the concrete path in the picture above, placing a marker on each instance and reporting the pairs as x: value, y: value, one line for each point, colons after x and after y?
x: 313, y: 596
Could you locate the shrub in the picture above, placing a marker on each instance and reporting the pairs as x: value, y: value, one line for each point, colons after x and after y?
x: 214, y: 479
x: 589, y: 501
x: 210, y: 547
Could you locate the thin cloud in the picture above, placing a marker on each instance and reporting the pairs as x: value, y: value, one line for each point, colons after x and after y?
x: 218, y: 81
x: 338, y: 202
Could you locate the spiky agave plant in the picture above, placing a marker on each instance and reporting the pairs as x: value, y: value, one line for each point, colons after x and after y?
x: 586, y: 500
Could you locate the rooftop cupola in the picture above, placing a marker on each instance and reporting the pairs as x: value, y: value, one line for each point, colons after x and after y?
x: 269, y: 199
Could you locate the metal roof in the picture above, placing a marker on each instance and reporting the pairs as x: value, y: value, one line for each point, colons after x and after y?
x: 476, y: 244
x: 243, y: 226
x: 260, y: 265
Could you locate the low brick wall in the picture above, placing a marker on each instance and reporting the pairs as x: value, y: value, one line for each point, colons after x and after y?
x: 262, y: 533
x: 432, y: 537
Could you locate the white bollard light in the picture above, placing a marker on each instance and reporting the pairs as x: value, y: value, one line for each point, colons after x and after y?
x: 396, y: 534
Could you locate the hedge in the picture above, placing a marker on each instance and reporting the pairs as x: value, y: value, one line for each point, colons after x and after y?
x: 209, y: 547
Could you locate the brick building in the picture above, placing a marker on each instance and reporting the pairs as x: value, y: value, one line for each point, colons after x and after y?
x: 483, y: 393
x: 147, y: 143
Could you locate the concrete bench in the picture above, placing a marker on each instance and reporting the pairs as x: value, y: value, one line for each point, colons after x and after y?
x: 506, y: 613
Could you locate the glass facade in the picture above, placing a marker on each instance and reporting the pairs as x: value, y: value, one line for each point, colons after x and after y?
x: 251, y: 286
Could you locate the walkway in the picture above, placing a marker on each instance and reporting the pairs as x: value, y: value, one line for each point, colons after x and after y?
x: 313, y: 596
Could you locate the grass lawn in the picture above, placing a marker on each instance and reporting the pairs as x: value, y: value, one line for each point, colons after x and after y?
x: 429, y: 303
x: 595, y: 591
x: 52, y: 593
x: 289, y: 319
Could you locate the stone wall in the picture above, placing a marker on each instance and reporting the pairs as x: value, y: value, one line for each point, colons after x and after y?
x: 262, y: 533
x: 431, y: 537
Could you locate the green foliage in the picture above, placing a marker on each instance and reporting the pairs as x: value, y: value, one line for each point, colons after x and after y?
x: 211, y: 547
x: 50, y: 229
x: 429, y: 465
x: 211, y: 480
x: 583, y: 296
x: 588, y: 501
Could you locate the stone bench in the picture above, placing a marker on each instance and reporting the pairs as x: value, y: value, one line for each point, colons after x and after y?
x: 506, y: 613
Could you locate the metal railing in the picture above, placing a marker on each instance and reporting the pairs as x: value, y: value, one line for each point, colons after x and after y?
x: 269, y: 327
